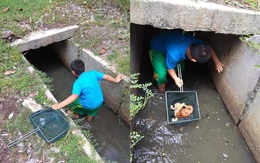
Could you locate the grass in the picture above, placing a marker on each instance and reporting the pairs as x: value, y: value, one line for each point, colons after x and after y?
x: 20, y: 123
x: 70, y: 147
x: 255, y: 4
x: 24, y: 12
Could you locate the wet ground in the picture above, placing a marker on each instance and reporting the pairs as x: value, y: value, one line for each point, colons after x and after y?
x: 109, y: 134
x: 213, y: 138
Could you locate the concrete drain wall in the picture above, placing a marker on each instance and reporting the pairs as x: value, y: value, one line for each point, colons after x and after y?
x: 221, y: 27
x: 115, y: 95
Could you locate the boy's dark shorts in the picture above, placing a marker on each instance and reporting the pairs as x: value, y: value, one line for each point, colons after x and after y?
x: 79, y: 109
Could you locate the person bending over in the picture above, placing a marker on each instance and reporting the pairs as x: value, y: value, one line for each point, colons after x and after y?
x: 169, y: 48
x: 87, y: 97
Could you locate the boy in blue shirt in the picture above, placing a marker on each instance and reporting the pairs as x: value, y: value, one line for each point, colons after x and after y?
x: 87, y: 96
x: 168, y: 48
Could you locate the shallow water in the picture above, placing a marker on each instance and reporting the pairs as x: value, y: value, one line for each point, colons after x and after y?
x: 108, y: 133
x: 212, y: 139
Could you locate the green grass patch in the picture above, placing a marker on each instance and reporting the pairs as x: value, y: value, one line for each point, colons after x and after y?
x: 71, y: 150
x: 124, y: 65
x: 10, y: 58
x: 20, y: 124
x: 113, y: 56
x: 20, y: 80
x: 25, y: 12
x: 255, y: 4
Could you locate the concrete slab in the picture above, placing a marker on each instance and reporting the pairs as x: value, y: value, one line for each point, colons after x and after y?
x: 239, y: 77
x: 41, y: 38
x: 249, y: 127
x: 194, y: 16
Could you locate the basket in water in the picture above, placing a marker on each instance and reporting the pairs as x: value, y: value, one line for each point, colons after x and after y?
x: 187, y: 97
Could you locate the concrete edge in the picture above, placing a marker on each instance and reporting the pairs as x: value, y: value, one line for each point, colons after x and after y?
x: 42, y: 38
x: 194, y: 15
x: 104, y: 63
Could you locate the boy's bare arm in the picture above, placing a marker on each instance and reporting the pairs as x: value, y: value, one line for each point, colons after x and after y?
x: 117, y: 79
x: 177, y: 80
x: 65, y: 102
x: 219, y: 66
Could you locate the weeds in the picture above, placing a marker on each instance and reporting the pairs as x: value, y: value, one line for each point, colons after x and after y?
x: 137, y: 102
x: 20, y: 124
x: 255, y: 4
x: 254, y: 45
x: 71, y: 149
x: 123, y: 65
x: 21, y: 16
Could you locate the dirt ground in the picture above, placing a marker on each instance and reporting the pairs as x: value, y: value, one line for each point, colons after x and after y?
x: 7, y: 107
x: 9, y: 103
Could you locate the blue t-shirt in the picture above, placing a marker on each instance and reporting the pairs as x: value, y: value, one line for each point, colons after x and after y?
x: 88, y: 88
x: 173, y: 44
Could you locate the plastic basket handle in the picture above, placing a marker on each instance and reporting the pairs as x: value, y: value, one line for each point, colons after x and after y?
x: 180, y: 76
x: 23, y: 137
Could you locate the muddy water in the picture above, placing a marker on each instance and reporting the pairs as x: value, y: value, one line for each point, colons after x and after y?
x: 109, y: 134
x: 212, y: 139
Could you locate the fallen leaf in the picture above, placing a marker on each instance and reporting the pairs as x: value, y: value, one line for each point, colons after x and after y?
x: 102, y: 51
x: 11, y: 115
x: 90, y: 8
x: 9, y: 72
x: 5, y: 9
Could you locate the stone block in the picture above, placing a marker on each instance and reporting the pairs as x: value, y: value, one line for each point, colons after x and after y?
x: 42, y: 38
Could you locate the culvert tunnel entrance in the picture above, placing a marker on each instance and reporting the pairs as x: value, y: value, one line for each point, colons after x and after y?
x: 109, y: 134
x: 213, y: 138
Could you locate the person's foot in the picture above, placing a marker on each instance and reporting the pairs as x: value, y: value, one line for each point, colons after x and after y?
x: 75, y: 115
x: 86, y: 125
x: 88, y: 118
x: 162, y: 88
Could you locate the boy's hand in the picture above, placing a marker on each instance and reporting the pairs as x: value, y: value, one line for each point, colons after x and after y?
x: 119, y: 78
x: 178, y: 82
x: 219, y: 67
x: 55, y: 106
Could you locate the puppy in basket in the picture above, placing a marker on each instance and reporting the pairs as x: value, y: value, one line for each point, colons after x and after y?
x: 181, y: 110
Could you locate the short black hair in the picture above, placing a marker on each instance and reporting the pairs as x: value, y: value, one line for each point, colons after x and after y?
x: 77, y: 66
x: 200, y: 52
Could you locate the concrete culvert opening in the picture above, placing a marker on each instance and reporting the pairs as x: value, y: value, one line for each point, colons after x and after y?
x: 109, y: 132
x: 215, y: 137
